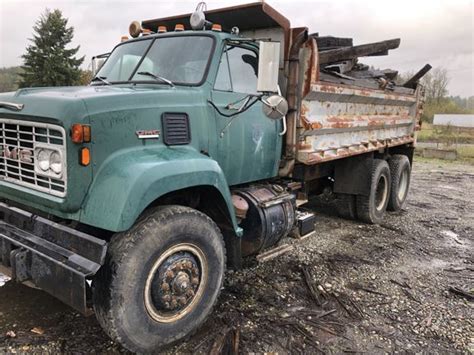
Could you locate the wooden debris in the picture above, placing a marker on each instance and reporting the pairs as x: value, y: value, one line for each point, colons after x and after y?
x: 313, y: 290
x: 460, y: 292
x: 364, y: 50
x: 37, y: 330
x: 226, y: 343
x: 401, y: 284
x: 411, y: 296
x: 357, y: 286
x: 413, y: 81
x: 330, y: 42
x: 273, y: 253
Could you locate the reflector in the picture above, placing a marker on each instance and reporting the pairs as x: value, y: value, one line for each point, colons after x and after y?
x: 85, y: 156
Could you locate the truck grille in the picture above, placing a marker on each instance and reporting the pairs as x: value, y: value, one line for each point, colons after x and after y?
x: 18, y: 140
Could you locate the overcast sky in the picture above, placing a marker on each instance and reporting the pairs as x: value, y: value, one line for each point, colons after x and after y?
x: 437, y: 32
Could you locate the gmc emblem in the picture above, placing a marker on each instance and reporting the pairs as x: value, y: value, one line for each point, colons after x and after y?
x: 23, y: 155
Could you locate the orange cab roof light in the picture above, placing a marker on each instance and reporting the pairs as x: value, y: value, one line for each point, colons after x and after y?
x: 162, y: 29
x: 124, y: 38
x: 179, y: 27
x: 216, y: 27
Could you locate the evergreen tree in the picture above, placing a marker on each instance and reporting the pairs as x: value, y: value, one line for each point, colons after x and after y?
x: 47, y: 61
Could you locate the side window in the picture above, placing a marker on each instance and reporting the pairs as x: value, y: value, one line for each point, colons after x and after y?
x: 223, y: 82
x: 238, y: 71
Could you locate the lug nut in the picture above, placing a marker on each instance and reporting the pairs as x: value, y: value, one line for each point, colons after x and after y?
x: 190, y: 293
x: 182, y: 301
x: 174, y: 303
x: 169, y: 274
x: 166, y: 298
x: 165, y: 286
x: 195, y: 281
x: 195, y: 271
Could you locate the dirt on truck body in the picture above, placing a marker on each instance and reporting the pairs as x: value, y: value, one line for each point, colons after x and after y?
x: 199, y: 145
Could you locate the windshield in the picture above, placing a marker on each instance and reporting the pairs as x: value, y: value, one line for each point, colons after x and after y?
x: 181, y: 60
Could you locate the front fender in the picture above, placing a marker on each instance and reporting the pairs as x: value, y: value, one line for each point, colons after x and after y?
x: 130, y: 180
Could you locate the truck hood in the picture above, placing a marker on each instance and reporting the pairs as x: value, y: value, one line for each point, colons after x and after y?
x: 70, y: 104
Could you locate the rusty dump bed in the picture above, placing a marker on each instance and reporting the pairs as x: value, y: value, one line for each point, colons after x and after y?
x: 337, y: 121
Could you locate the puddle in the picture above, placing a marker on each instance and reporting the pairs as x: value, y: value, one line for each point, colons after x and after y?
x: 3, y: 279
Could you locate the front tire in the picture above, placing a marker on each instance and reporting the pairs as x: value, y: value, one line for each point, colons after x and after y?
x: 371, y: 208
x: 161, y: 279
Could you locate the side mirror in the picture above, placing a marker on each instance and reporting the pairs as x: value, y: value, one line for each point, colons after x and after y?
x: 98, y: 61
x: 268, y: 65
x: 275, y: 107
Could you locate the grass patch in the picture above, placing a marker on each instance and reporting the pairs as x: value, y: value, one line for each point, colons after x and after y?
x: 445, y: 135
x: 466, y: 154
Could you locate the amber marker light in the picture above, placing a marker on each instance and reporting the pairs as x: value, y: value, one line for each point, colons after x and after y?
x: 86, y: 133
x: 80, y: 133
x: 179, y: 27
x: 77, y: 133
x: 162, y: 29
x: 85, y: 158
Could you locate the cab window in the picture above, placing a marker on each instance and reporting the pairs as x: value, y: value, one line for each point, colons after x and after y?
x: 238, y: 71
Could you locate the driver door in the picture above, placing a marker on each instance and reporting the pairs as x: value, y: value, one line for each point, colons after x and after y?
x: 248, y: 145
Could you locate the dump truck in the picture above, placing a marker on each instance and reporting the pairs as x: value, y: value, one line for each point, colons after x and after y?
x: 197, y: 144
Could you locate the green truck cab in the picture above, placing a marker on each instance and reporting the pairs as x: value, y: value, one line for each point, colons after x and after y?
x: 129, y: 197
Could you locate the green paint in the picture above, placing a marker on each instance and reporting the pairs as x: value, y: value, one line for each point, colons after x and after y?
x: 127, y: 173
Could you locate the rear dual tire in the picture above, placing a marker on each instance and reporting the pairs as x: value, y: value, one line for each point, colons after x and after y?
x: 400, y: 171
x: 390, y: 183
x: 371, y: 208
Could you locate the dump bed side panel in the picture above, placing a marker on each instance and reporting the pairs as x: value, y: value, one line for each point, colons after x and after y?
x: 337, y: 121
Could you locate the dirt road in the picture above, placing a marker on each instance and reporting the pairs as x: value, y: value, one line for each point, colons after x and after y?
x: 375, y: 288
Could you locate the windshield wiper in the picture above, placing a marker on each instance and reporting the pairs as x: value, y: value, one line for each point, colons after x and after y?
x: 102, y: 79
x: 157, y: 77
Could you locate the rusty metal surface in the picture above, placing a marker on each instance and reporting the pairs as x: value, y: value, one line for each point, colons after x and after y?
x: 337, y: 121
x: 247, y: 17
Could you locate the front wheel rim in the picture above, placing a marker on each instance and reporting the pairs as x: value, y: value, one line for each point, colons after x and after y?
x: 175, y: 283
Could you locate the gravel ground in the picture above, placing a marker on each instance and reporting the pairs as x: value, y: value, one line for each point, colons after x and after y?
x: 349, y: 288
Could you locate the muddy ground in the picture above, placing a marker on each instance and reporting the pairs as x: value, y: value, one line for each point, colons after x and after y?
x: 375, y: 289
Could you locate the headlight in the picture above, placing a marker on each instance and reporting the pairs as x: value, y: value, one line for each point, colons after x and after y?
x: 55, y: 162
x: 43, y: 159
x: 48, y: 162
